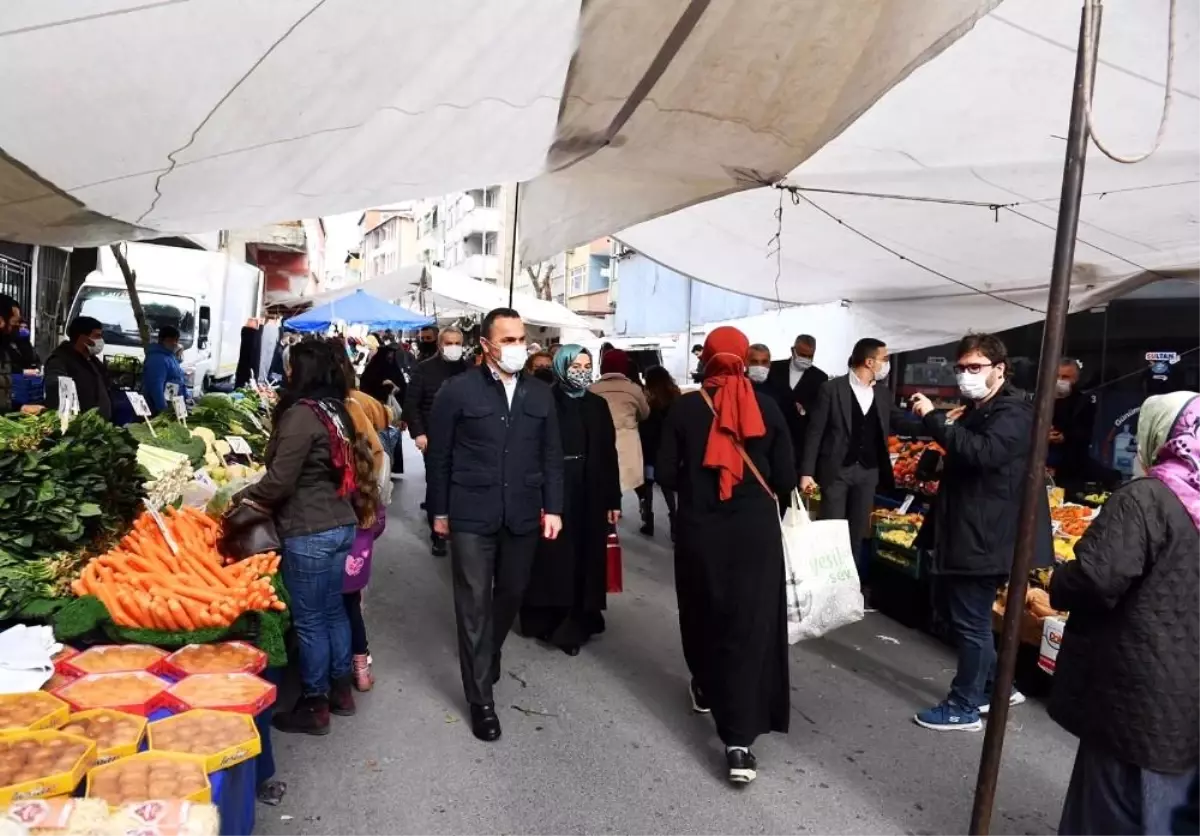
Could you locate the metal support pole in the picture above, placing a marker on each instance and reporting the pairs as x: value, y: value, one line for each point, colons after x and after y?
x: 510, y: 242
x: 1034, y: 492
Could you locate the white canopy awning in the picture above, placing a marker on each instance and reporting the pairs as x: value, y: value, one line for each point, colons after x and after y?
x: 131, y: 119
x: 935, y: 212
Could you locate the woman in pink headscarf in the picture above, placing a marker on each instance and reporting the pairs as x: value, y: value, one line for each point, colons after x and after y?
x: 1127, y: 680
x: 726, y: 450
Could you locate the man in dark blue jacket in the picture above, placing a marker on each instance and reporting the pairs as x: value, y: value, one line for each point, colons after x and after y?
x: 495, y: 480
x: 162, y: 367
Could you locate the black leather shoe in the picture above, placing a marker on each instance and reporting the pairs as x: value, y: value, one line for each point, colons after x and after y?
x: 743, y: 767
x: 484, y: 723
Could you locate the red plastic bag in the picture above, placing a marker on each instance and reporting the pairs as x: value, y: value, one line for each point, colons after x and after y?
x: 615, y: 579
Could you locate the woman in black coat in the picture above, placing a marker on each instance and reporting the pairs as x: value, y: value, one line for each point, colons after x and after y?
x: 1127, y: 680
x: 568, y: 586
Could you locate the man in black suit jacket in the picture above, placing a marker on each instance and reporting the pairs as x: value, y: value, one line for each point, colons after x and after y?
x: 794, y: 383
x: 495, y: 483
x: 845, y: 449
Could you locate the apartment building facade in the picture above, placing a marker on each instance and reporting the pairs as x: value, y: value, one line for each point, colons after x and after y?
x: 463, y: 231
x: 388, y: 238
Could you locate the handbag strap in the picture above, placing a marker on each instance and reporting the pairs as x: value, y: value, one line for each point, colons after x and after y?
x: 737, y: 445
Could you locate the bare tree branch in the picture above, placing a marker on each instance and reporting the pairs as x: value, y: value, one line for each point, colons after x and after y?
x: 135, y: 301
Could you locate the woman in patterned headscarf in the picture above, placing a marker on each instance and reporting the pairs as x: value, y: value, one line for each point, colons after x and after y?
x: 566, y: 594
x: 1127, y: 680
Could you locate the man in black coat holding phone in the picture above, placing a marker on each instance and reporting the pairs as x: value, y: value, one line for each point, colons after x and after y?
x: 495, y: 485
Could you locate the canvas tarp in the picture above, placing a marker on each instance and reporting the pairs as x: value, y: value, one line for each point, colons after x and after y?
x: 983, y: 124
x: 134, y: 118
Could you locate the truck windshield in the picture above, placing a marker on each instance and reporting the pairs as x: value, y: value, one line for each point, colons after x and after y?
x: 111, y: 306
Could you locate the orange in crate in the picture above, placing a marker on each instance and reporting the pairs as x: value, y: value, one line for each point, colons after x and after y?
x: 41, y: 764
x: 150, y: 776
x: 242, y: 692
x: 223, y: 657
x: 31, y: 711
x: 222, y: 738
x: 134, y: 692
x: 115, y: 658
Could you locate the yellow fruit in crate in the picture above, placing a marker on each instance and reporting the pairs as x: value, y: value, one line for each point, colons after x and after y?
x: 1064, y: 549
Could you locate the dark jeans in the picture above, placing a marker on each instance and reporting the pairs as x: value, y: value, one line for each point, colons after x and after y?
x: 312, y: 569
x: 358, y: 627
x: 490, y: 574
x: 850, y: 497
x: 966, y: 601
x: 645, y: 495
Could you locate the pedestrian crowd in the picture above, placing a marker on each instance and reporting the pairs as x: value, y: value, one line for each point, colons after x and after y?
x: 529, y: 453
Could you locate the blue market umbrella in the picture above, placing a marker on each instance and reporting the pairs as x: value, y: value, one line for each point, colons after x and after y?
x: 359, y: 308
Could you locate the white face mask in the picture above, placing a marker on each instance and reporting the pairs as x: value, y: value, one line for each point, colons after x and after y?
x: 973, y: 386
x: 1062, y: 388
x: 883, y: 371
x: 512, y: 358
x: 757, y: 374
x: 801, y: 364
x: 453, y: 353
x: 96, y: 347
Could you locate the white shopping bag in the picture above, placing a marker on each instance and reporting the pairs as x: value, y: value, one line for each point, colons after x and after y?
x: 823, y: 591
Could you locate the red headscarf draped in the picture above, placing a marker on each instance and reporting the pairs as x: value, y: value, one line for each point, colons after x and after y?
x: 738, y: 417
x: 615, y: 361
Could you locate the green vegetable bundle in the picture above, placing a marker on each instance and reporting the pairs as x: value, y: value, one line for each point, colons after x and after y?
x: 225, y: 416
x: 169, y: 434
x: 61, y: 496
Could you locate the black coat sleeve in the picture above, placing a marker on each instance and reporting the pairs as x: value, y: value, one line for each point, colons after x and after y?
x: 412, y: 404
x: 447, y: 410
x: 781, y: 456
x: 666, y: 467
x: 1109, y: 557
x: 552, y: 461
x: 606, y: 445
x: 817, y: 420
x: 999, y: 441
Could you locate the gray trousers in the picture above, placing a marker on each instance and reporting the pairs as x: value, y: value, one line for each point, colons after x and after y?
x: 1107, y: 795
x: 490, y: 572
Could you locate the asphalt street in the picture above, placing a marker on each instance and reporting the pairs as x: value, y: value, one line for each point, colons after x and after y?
x: 605, y: 742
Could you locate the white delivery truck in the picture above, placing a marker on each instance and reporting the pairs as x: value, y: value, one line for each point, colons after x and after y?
x: 206, y: 295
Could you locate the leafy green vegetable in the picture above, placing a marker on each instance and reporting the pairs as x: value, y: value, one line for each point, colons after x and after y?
x: 62, y: 495
x: 169, y: 434
x: 225, y: 416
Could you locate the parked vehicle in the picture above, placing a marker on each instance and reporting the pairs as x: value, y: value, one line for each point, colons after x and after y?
x: 206, y: 295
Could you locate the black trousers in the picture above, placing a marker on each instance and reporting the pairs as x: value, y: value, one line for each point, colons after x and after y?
x: 490, y: 574
x: 358, y: 627
x: 850, y: 497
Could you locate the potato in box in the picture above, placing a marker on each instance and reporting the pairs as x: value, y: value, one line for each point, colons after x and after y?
x: 134, y: 692
x: 222, y: 738
x: 116, y: 733
x: 243, y: 692
x: 41, y: 764
x: 115, y: 658
x: 150, y: 776
x: 31, y: 711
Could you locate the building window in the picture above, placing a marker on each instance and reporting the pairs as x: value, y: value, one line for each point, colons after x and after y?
x: 489, y: 243
x: 577, y: 279
x: 491, y: 197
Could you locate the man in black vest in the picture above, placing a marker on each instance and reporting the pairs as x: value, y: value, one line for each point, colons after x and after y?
x: 495, y: 483
x: 794, y: 383
x: 845, y: 447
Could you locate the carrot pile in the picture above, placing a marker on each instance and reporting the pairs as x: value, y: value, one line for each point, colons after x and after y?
x: 143, y: 583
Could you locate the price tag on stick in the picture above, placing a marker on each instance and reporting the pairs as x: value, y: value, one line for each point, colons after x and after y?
x: 162, y: 526
x: 68, y: 402
x: 238, y: 445
x: 180, y: 407
x: 141, y: 408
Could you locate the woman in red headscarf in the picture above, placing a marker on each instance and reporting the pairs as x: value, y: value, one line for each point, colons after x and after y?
x: 727, y: 452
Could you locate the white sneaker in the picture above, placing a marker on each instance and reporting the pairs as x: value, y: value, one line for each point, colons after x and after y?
x: 1015, y: 699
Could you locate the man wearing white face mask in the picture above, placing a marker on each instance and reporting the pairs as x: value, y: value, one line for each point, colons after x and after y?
x: 77, y: 358
x: 845, y: 447
x: 972, y: 528
x: 794, y: 382
x: 758, y: 366
x: 495, y: 476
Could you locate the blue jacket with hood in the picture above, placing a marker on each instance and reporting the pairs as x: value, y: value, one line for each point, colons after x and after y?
x: 160, y: 369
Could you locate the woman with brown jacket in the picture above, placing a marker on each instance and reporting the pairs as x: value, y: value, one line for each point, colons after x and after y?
x: 629, y: 407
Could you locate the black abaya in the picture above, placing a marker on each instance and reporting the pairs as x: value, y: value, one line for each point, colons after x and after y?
x: 568, y: 586
x: 729, y: 574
